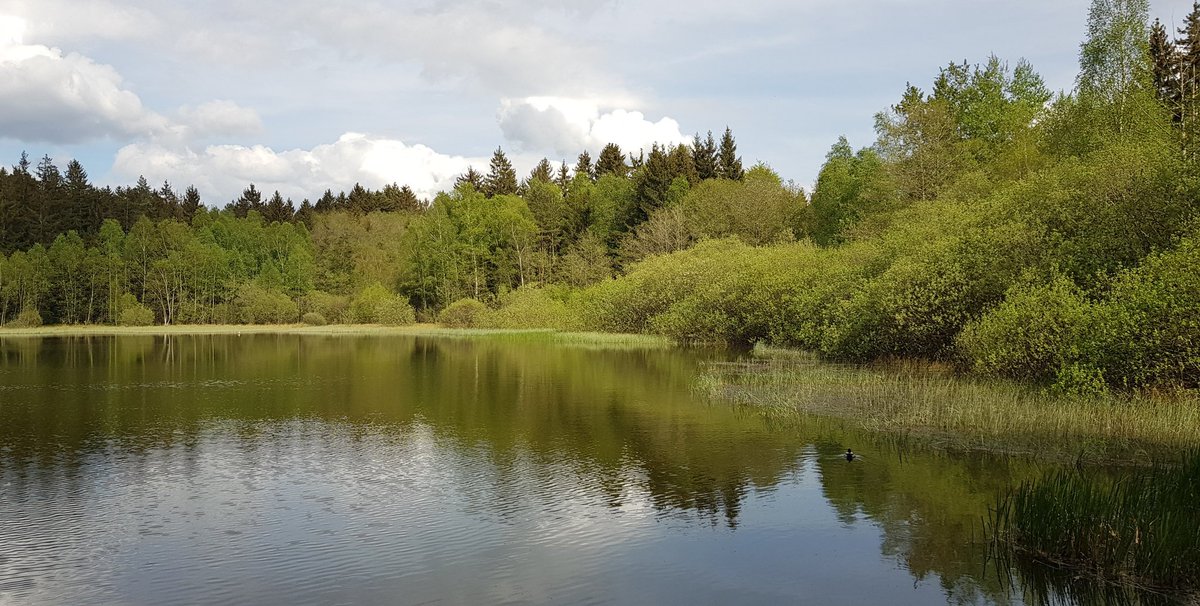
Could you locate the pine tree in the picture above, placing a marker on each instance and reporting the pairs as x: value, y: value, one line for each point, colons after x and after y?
x: 704, y: 156
x: 501, y: 178
x: 251, y: 199
x: 1166, y: 63
x: 611, y: 162
x: 362, y: 200
x: 326, y: 203
x: 277, y: 210
x: 683, y: 164
x: 80, y: 208
x: 190, y: 205
x: 472, y: 178
x: 729, y: 164
x: 543, y: 172
x: 584, y: 166
x: 564, y: 178
x: 653, y: 182
x: 408, y: 200
x: 305, y: 214
x: 166, y: 203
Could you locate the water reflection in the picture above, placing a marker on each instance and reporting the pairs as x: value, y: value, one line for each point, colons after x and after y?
x: 287, y: 469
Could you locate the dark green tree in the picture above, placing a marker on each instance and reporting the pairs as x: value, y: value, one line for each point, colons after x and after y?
x: 652, y: 184
x: 190, y: 205
x: 611, y: 162
x: 472, y: 178
x: 729, y: 164
x: 1166, y: 60
x: 584, y: 166
x: 501, y: 179
x: 704, y: 156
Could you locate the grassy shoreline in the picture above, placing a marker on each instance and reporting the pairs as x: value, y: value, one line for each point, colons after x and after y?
x: 415, y: 330
x: 933, y: 405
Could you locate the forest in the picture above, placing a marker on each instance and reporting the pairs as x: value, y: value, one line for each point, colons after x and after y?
x: 994, y: 225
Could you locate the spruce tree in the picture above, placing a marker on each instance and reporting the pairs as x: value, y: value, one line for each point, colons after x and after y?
x: 584, y: 166
x: 80, y: 207
x: 611, y: 162
x: 729, y: 164
x: 704, y: 156
x: 277, y: 211
x: 564, y: 178
x: 501, y: 179
x: 653, y: 182
x: 543, y: 172
x: 472, y: 178
x: 683, y: 164
x: 305, y: 214
x: 191, y: 204
x: 1166, y: 62
x: 409, y: 202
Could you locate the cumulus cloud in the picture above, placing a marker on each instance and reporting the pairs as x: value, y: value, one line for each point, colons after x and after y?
x: 569, y: 126
x: 222, y: 171
x: 219, y: 118
x: 60, y: 98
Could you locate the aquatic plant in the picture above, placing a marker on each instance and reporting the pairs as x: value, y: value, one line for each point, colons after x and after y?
x: 1139, y: 527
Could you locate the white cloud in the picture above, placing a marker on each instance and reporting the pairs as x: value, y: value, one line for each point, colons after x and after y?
x: 569, y: 126
x: 49, y: 96
x: 220, y: 172
x: 219, y: 118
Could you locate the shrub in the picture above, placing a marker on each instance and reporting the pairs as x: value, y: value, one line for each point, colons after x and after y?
x: 1032, y: 335
x: 135, y: 315
x: 395, y: 312
x: 313, y: 318
x: 29, y: 318
x: 254, y: 304
x: 463, y: 313
x: 365, y: 307
x: 536, y: 307
x: 334, y: 308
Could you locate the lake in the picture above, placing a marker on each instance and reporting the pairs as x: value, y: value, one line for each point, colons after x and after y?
x: 301, y: 469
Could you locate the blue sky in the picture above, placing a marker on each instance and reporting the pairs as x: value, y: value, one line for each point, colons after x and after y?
x: 301, y: 95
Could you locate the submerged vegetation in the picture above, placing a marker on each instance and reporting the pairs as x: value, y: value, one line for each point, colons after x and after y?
x: 1127, y: 529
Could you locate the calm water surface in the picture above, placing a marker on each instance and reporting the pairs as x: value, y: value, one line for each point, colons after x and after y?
x: 399, y: 470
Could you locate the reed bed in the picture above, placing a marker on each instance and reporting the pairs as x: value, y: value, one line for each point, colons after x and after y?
x: 1137, y: 528
x: 929, y: 400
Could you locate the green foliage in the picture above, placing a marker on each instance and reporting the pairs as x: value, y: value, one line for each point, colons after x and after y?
x: 536, y: 307
x: 313, y: 318
x: 463, y: 313
x: 133, y: 313
x: 252, y: 304
x: 1032, y: 335
x: 30, y: 318
x: 395, y: 311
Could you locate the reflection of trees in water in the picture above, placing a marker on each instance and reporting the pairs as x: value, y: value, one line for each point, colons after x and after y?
x: 625, y: 421
x: 929, y: 506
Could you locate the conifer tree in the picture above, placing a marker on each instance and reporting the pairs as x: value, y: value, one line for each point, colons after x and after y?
x: 472, y: 178
x: 501, y: 178
x: 304, y: 214
x: 584, y: 166
x: 729, y: 164
x: 611, y: 162
x: 80, y: 207
x: 1166, y: 63
x: 277, y: 210
x: 408, y: 200
x: 190, y: 205
x: 683, y: 164
x: 704, y: 156
x: 564, y: 178
x: 653, y: 182
x: 543, y: 172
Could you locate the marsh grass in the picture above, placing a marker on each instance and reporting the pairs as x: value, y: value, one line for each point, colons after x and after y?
x: 929, y: 401
x: 1139, y: 528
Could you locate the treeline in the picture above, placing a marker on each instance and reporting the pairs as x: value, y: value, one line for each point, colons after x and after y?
x: 1048, y: 238
x: 1051, y: 239
x: 137, y: 255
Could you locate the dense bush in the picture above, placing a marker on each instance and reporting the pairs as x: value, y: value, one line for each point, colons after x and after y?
x: 313, y: 318
x: 395, y: 311
x: 1033, y: 335
x: 30, y: 318
x: 536, y: 307
x: 254, y: 304
x: 463, y: 313
x: 334, y: 308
